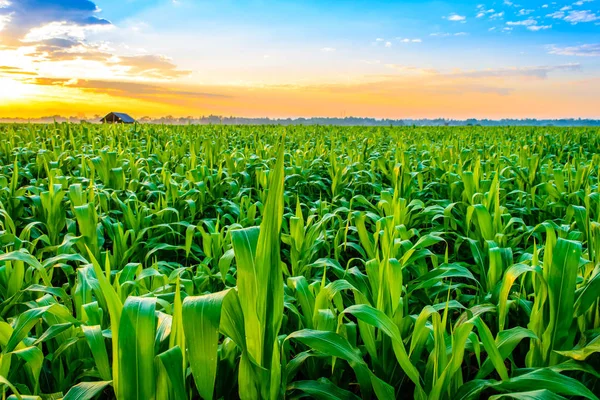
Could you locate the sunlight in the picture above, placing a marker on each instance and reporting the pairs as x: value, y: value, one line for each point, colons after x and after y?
x: 11, y: 89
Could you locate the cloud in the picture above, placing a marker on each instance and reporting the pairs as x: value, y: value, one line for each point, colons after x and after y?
x: 576, y: 17
x: 582, y: 2
x: 327, y: 49
x: 129, y: 90
x: 482, y: 12
x: 556, y: 15
x: 456, y: 18
x: 536, y: 28
x: 524, y: 12
x: 584, y: 50
x: 26, y: 15
x: 527, y: 22
x: 53, y: 35
x: 150, y: 66
x: 4, y: 20
x: 388, y: 44
x: 8, y: 70
x: 446, y: 34
x: 62, y: 30
x: 539, y: 72
x: 407, y: 40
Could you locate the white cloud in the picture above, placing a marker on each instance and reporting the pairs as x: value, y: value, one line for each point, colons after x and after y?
x: 327, y: 49
x: 536, y: 28
x: 508, y: 3
x: 576, y: 17
x: 524, y: 12
x: 482, y: 11
x: 584, y: 50
x: 527, y: 22
x: 566, y: 8
x: 456, y: 18
x: 380, y: 40
x: 4, y: 20
x: 545, y: 6
x: 497, y: 15
x: 407, y: 40
x: 582, y: 2
x: 538, y: 72
x: 446, y: 34
x: 62, y: 30
x: 556, y: 15
x: 4, y: 3
x: 388, y: 44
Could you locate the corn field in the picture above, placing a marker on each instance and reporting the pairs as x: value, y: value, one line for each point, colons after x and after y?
x: 212, y: 262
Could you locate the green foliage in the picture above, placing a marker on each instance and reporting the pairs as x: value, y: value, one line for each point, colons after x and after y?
x: 186, y: 262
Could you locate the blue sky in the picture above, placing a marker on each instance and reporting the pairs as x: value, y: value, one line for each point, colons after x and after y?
x: 525, y: 50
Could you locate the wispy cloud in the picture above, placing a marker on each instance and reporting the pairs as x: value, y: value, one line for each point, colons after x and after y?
x: 576, y: 17
x: 536, y: 72
x: 408, y: 40
x: 456, y: 18
x: 584, y: 50
x: 536, y: 28
x: 8, y: 70
x: 482, y: 12
x: 526, y: 22
x: 327, y: 49
x: 524, y: 12
x: 447, y: 34
x: 582, y: 2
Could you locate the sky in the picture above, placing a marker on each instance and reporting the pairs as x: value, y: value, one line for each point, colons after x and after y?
x: 260, y: 58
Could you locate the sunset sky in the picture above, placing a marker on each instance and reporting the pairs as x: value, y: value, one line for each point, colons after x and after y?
x: 384, y: 59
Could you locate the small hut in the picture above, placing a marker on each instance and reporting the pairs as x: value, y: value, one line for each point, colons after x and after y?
x: 117, y: 118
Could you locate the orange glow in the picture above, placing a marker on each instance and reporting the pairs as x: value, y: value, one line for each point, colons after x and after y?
x: 381, y: 97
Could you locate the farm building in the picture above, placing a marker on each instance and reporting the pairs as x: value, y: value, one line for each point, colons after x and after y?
x: 117, y: 118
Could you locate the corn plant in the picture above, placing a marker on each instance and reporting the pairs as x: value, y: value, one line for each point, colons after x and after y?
x: 223, y: 262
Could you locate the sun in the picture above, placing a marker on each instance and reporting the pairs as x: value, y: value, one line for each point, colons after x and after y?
x: 11, y: 89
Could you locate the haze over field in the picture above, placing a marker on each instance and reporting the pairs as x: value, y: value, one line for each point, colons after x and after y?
x: 469, y: 59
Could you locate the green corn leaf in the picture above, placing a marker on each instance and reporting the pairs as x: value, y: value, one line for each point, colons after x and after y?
x: 95, y: 339
x: 86, y: 390
x: 170, y: 382
x: 322, y: 389
x: 201, y: 321
x: 136, y: 349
